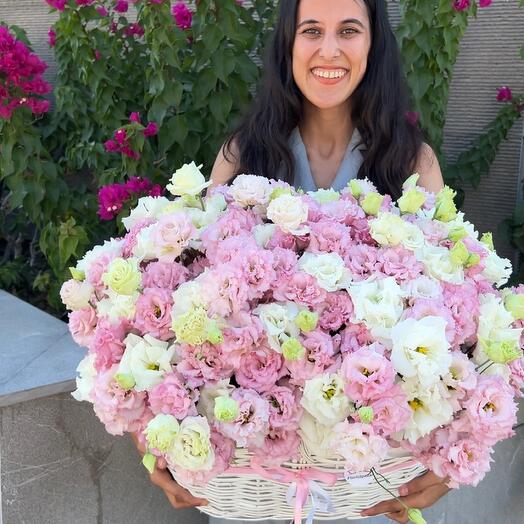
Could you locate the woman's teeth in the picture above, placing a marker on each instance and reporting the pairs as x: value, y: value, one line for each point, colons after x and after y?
x: 323, y: 73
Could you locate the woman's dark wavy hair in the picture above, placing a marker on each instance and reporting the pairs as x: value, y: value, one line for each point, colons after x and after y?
x: 379, y: 103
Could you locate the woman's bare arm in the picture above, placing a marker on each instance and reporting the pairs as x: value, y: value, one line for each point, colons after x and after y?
x: 429, y: 170
x: 225, y: 165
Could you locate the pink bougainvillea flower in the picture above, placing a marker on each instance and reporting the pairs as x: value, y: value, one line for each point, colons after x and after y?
x: 111, y: 200
x: 134, y: 30
x: 484, y: 3
x: 102, y: 11
x: 52, y: 37
x: 461, y: 5
x: 59, y: 5
x: 412, y: 117
x: 504, y: 94
x: 111, y: 146
x: 98, y: 55
x: 134, y: 117
x: 182, y: 15
x: 84, y: 2
x: 121, y: 6
x: 151, y: 129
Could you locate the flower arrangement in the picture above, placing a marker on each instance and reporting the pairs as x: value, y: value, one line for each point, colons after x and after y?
x: 263, y: 319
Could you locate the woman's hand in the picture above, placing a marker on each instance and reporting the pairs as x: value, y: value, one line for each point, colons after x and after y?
x: 420, y: 493
x: 178, y: 496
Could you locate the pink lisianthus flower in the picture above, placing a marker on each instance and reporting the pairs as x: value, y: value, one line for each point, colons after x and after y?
x: 399, y: 263
x: 299, y: 287
x: 252, y: 423
x: 131, y: 238
x: 285, y: 262
x: 336, y: 311
x: 118, y: 409
x: 366, y: 374
x: 97, y: 268
x: 256, y: 266
x: 362, y: 261
x: 354, y: 337
x: 164, y: 275
x: 391, y: 411
x: 153, y: 313
x: 424, y: 307
x: 280, y: 445
x: 516, y: 369
x: 182, y: 15
x: 329, y: 236
x: 259, y: 369
x: 461, y: 379
x: 171, y: 397
x: 284, y: 407
x: 171, y: 235
x: 491, y: 410
x: 108, y: 343
x: 82, y: 324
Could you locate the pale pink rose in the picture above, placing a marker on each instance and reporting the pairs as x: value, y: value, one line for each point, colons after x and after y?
x: 399, y: 263
x: 171, y: 235
x: 153, y: 313
x: 284, y: 407
x: 336, y: 311
x: 299, y: 287
x: 329, y: 236
x: 172, y: 397
x: 82, y: 324
x: 280, y: 445
x: 491, y: 409
x: 391, y: 412
x: 108, y: 343
x: 366, y: 374
x: 259, y: 369
x: 119, y: 410
x: 354, y: 337
x: 164, y: 275
x: 252, y: 423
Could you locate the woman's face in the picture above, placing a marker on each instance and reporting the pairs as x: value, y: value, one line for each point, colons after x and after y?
x: 330, y: 51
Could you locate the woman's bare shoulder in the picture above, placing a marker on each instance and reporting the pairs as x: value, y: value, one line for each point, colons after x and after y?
x: 428, y: 168
x: 225, y: 164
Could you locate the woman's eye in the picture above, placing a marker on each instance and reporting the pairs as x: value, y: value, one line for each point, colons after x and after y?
x: 311, y: 31
x: 349, y: 31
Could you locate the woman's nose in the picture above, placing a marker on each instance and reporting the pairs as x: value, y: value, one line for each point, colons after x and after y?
x: 329, y: 48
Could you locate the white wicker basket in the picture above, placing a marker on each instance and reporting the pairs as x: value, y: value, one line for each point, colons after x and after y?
x: 243, y: 495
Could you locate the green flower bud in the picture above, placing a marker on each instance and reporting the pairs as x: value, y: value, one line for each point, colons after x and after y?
x: 226, y: 409
x: 415, y: 516
x: 445, y: 207
x: 292, y: 349
x: 459, y: 253
x: 125, y: 381
x: 457, y: 233
x: 411, y: 201
x: 371, y: 203
x: 411, y: 182
x: 149, y: 461
x: 214, y: 336
x: 472, y: 260
x: 487, y: 240
x: 501, y: 352
x: 515, y: 305
x: 366, y: 414
x: 278, y: 192
x: 355, y: 188
x: 306, y: 320
x: 77, y: 274
x: 325, y: 195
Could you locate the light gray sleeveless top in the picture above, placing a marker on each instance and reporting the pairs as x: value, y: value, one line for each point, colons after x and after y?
x: 347, y: 170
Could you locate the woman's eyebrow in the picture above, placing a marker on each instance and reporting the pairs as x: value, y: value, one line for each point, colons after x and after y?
x: 346, y: 21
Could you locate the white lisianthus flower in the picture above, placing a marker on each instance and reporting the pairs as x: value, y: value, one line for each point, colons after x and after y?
x: 145, y: 249
x: 76, y: 295
x: 161, y: 431
x: 327, y: 268
x: 263, y: 233
x: 497, y: 270
x: 431, y: 408
x: 324, y: 398
x: 250, y: 190
x: 289, y: 213
x: 459, y: 222
x: 188, y: 296
x: 188, y: 180
x: 192, y: 448
x: 413, y: 237
x: 148, y: 207
x: 439, y: 264
x: 109, y: 247
x: 314, y: 435
x: 208, y: 393
x: 493, y: 317
x: 323, y: 196
x: 388, y: 229
x: 420, y: 349
x: 278, y: 321
x: 377, y: 303
x: 422, y: 287
x: 86, y: 378
x: 117, y: 306
x: 146, y: 360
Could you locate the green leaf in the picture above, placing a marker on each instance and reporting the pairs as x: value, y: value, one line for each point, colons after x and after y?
x: 212, y: 36
x: 220, y: 106
x: 149, y: 462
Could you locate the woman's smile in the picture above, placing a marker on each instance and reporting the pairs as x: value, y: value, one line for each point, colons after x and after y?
x: 330, y: 75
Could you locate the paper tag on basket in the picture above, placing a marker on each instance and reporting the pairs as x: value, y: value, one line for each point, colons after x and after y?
x: 359, y: 480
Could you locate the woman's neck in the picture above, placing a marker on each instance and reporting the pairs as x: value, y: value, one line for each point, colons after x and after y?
x: 326, y: 131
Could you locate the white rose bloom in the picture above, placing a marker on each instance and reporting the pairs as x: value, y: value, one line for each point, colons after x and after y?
x: 86, y: 378
x: 278, y: 321
x: 420, y: 349
x: 187, y: 296
x: 117, y: 306
x: 208, y: 393
x: 144, y: 248
x: 263, y: 233
x: 192, y: 448
x: 76, y: 295
x: 324, y: 195
x: 109, y: 247
x: 431, y: 408
x: 388, y: 229
x: 497, y: 269
x: 422, y: 287
x: 439, y: 264
x: 188, y: 180
x: 251, y: 190
x: 314, y: 435
x: 147, y: 360
x: 324, y: 398
x: 289, y: 213
x: 327, y: 268
x: 377, y: 303
x: 147, y: 207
